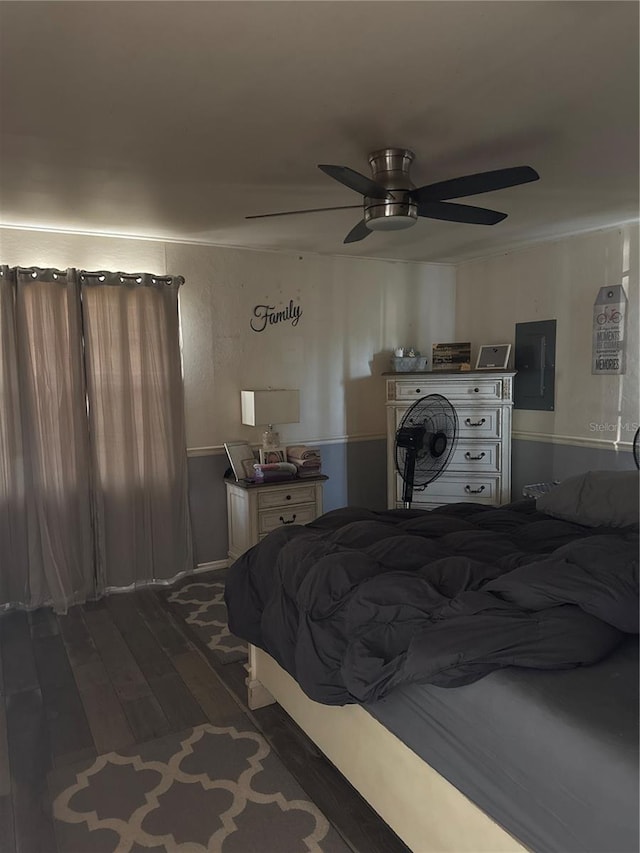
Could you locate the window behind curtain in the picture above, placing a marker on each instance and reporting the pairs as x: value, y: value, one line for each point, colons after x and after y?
x: 93, y: 475
x: 136, y: 418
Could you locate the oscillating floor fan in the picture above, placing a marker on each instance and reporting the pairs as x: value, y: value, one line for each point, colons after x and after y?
x: 425, y: 441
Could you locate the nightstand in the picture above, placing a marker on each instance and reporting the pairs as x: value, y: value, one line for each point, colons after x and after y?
x: 255, y: 509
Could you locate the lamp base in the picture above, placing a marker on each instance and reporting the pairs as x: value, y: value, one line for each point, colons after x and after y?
x: 270, y: 439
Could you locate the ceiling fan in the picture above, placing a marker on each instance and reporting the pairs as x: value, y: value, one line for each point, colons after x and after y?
x: 393, y: 202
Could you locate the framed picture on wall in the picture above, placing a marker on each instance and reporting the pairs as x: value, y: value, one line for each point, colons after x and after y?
x: 493, y: 357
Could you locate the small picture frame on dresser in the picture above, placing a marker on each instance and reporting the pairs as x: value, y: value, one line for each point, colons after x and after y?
x: 493, y: 357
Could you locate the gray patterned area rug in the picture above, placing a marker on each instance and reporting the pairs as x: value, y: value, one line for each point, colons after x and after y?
x: 199, y: 602
x: 204, y: 790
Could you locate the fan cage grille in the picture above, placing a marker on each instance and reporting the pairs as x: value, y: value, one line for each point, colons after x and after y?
x: 438, y: 417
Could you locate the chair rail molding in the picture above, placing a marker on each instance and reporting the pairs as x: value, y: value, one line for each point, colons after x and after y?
x: 216, y: 449
x: 578, y: 440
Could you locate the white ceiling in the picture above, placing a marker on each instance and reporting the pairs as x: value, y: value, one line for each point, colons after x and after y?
x: 178, y: 119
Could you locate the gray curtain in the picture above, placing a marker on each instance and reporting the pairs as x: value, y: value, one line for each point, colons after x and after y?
x: 93, y: 482
x: 136, y: 418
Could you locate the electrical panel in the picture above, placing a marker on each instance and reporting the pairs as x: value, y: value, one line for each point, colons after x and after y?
x: 535, y: 361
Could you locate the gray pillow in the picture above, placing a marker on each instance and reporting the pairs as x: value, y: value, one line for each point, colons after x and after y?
x: 595, y: 499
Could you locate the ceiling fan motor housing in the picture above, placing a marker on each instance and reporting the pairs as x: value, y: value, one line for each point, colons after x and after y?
x: 390, y: 169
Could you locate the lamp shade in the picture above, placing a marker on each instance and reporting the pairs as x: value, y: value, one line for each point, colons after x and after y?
x: 270, y: 407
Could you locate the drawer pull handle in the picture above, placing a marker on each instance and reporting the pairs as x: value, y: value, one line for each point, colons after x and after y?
x: 291, y: 520
x: 288, y: 497
x: 469, y: 422
x: 418, y: 390
x: 467, y: 455
x: 476, y: 390
x: 471, y: 491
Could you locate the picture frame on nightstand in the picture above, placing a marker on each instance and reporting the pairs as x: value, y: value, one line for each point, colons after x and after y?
x: 241, y: 458
x: 268, y: 457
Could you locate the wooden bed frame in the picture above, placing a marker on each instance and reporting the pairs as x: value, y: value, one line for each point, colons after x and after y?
x: 428, y: 813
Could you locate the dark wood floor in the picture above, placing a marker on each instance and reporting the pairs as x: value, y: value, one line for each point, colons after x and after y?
x: 123, y: 671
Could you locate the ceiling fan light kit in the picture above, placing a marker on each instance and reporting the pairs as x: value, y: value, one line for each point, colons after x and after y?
x: 390, y: 169
x: 392, y: 202
x: 392, y: 216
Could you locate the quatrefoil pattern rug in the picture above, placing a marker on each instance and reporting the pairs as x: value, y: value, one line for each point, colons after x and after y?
x: 199, y: 603
x: 205, y: 790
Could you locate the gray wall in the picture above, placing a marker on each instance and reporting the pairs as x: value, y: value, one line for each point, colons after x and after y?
x: 541, y: 462
x: 208, y: 505
x: 357, y: 477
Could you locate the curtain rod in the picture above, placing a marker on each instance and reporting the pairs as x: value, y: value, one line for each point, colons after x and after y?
x: 102, y: 274
x: 134, y: 276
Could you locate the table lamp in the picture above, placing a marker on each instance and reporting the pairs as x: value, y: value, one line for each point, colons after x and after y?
x: 268, y: 407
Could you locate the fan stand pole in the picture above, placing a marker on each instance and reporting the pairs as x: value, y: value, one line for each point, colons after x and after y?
x: 409, y: 471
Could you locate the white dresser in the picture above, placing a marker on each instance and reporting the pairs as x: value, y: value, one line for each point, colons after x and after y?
x: 253, y: 510
x: 480, y: 468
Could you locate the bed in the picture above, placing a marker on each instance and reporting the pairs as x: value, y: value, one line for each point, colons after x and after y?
x: 471, y: 670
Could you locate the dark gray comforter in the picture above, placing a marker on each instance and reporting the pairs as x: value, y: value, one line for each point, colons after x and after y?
x: 360, y: 602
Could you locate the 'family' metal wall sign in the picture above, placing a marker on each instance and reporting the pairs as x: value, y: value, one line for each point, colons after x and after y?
x: 266, y: 315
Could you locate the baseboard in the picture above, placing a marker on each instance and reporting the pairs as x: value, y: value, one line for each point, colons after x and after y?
x: 199, y: 569
x: 210, y: 567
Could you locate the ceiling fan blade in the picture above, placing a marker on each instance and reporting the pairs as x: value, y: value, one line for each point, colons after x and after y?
x: 482, y: 182
x: 359, y: 232
x: 310, y: 210
x: 355, y: 181
x: 459, y: 213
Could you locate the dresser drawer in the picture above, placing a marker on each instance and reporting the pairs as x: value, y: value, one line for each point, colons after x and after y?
x: 473, y: 423
x: 479, y: 423
x: 451, y: 488
x: 476, y: 456
x: 269, y: 520
x: 460, y: 389
x: 287, y: 496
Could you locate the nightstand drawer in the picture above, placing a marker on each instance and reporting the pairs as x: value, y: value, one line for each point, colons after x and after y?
x: 286, y: 496
x: 254, y: 510
x: 296, y: 514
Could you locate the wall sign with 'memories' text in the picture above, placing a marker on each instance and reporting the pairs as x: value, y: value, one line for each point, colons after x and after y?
x: 268, y: 315
x: 609, y: 327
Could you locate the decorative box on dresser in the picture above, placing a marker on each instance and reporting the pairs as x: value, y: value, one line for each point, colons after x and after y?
x: 255, y: 509
x: 480, y: 468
